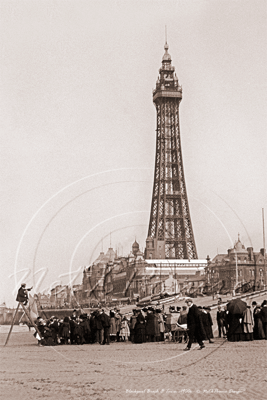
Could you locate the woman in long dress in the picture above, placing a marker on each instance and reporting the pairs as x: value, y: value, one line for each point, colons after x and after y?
x: 132, y: 325
x: 140, y: 328
x: 65, y: 333
x: 248, y: 324
x: 113, y: 328
x: 235, y: 331
x: 161, y: 325
x: 258, y: 328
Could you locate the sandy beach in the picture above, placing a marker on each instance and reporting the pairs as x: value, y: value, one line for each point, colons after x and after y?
x: 222, y: 370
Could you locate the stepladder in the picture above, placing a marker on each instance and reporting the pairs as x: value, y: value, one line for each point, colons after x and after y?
x: 26, y: 311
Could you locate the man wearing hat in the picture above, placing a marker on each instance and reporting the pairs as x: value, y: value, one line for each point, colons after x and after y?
x: 151, y: 322
x: 140, y: 329
x: 132, y: 324
x: 118, y: 319
x: 220, y: 317
x: 207, y: 322
x: 194, y: 325
x: 22, y: 295
x: 253, y: 306
x: 105, y: 319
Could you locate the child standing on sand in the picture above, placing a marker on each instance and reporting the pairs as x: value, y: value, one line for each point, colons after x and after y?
x: 125, y: 330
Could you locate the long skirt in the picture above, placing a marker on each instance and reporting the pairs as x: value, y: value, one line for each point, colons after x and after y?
x: 258, y: 330
x: 139, y: 333
x: 236, y: 337
x: 247, y: 336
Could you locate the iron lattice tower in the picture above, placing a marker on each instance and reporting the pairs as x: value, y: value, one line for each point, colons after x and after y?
x: 170, y: 233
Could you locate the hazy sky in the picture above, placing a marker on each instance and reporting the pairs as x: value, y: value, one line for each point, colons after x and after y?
x: 76, y: 106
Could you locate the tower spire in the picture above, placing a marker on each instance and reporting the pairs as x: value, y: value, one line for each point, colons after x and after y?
x: 165, y: 34
x: 170, y: 232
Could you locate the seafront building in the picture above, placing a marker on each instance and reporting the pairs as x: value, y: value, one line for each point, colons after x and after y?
x: 240, y: 269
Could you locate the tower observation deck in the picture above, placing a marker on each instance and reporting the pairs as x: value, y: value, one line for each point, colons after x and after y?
x: 170, y: 233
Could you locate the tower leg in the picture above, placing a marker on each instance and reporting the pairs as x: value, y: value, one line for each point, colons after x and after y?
x: 12, y: 324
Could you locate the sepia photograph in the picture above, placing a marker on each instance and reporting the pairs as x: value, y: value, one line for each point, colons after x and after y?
x: 133, y: 199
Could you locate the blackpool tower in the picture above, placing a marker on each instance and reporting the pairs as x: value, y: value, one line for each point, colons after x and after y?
x: 170, y: 233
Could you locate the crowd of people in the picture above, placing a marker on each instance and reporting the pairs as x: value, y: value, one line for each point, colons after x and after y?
x: 102, y: 327
x: 236, y: 321
x: 148, y: 324
x: 251, y: 324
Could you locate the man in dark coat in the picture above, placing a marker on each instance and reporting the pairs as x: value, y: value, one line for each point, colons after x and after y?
x: 151, y: 325
x: 93, y: 327
x: 105, y: 319
x: 221, y: 322
x: 53, y: 325
x: 22, y: 295
x: 46, y: 339
x: 264, y: 317
x: 84, y: 323
x: 78, y: 332
x: 72, y: 329
x: 99, y: 327
x: 207, y: 323
x: 194, y: 325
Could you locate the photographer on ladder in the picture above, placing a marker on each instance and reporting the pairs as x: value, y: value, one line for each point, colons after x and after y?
x: 22, y: 295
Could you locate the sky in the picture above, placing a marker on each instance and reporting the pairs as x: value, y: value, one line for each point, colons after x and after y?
x: 77, y: 128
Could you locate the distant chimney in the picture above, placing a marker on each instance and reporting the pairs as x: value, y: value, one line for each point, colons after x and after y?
x: 250, y: 253
x: 262, y: 252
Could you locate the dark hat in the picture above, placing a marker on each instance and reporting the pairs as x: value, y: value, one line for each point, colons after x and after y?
x: 254, y: 303
x: 145, y: 309
x: 188, y: 301
x: 178, y: 308
x: 264, y: 303
x: 23, y: 284
x: 200, y: 307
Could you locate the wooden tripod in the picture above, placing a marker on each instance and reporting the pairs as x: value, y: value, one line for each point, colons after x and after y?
x: 29, y: 318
